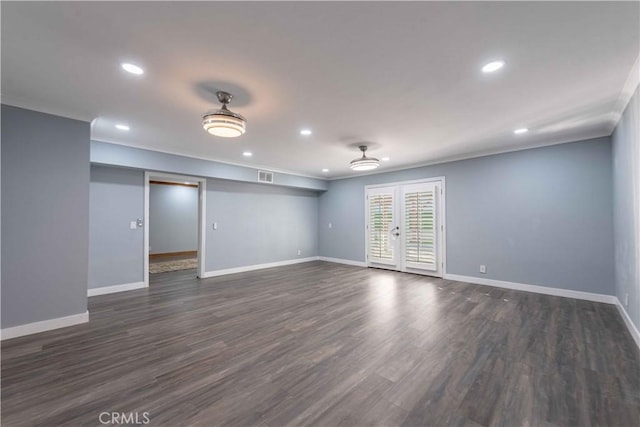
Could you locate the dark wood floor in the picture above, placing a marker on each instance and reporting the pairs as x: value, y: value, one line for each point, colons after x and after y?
x: 328, y: 345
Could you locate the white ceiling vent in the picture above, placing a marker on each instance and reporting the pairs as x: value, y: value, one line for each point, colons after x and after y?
x: 265, y: 176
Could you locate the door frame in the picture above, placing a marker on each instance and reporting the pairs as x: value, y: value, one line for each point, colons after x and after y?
x: 441, y: 214
x: 202, y: 215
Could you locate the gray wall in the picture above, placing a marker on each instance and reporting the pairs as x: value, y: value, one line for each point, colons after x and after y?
x: 541, y: 216
x: 258, y: 224
x: 137, y: 158
x: 45, y: 216
x: 626, y: 196
x: 115, y: 251
x: 173, y: 218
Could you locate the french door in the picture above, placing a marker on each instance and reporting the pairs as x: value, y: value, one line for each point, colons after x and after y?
x: 404, y: 227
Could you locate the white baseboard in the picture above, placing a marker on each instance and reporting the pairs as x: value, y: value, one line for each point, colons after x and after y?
x: 588, y: 296
x: 45, y: 325
x: 234, y: 270
x: 627, y: 320
x: 343, y: 261
x: 115, y: 288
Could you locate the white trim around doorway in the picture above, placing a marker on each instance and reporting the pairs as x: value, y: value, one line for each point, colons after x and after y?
x: 202, y: 216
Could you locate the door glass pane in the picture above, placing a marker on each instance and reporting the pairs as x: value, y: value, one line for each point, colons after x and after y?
x: 380, y: 222
x: 420, y: 227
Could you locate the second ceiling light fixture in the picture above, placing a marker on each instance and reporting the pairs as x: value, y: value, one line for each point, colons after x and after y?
x: 364, y: 163
x: 224, y: 122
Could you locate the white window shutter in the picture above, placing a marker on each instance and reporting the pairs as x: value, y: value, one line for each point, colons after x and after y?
x: 380, y: 222
x: 420, y: 229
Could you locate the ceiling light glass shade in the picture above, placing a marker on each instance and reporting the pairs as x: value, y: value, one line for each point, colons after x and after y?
x: 364, y: 163
x: 223, y: 122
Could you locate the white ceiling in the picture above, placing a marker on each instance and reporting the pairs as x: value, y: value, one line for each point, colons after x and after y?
x: 404, y: 77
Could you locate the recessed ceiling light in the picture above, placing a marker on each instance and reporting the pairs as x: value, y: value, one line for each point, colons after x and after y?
x: 385, y: 159
x: 520, y: 131
x: 305, y: 132
x: 187, y: 182
x: 493, y: 66
x: 325, y: 170
x: 132, y: 68
x: 122, y: 127
x: 247, y: 154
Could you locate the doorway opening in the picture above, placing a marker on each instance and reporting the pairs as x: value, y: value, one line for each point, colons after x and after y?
x: 174, y: 238
x: 405, y: 226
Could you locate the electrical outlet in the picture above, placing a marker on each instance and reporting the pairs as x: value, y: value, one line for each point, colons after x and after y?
x: 626, y: 300
x: 483, y: 269
x: 133, y: 225
x: 299, y: 252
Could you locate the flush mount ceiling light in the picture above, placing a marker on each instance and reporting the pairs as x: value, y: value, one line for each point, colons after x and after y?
x: 122, y: 127
x: 364, y: 163
x: 223, y: 122
x: 305, y: 132
x: 521, y: 131
x: 493, y: 66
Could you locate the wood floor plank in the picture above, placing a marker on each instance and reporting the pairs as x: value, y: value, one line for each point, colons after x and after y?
x: 329, y: 345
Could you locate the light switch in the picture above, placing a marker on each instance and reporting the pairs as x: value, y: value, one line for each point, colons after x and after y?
x: 133, y: 225
x: 215, y: 225
x: 329, y: 225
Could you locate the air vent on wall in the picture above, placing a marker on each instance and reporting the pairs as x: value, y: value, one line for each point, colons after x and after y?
x: 265, y: 176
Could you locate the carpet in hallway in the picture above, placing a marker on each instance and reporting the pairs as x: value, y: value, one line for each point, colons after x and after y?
x: 175, y: 265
